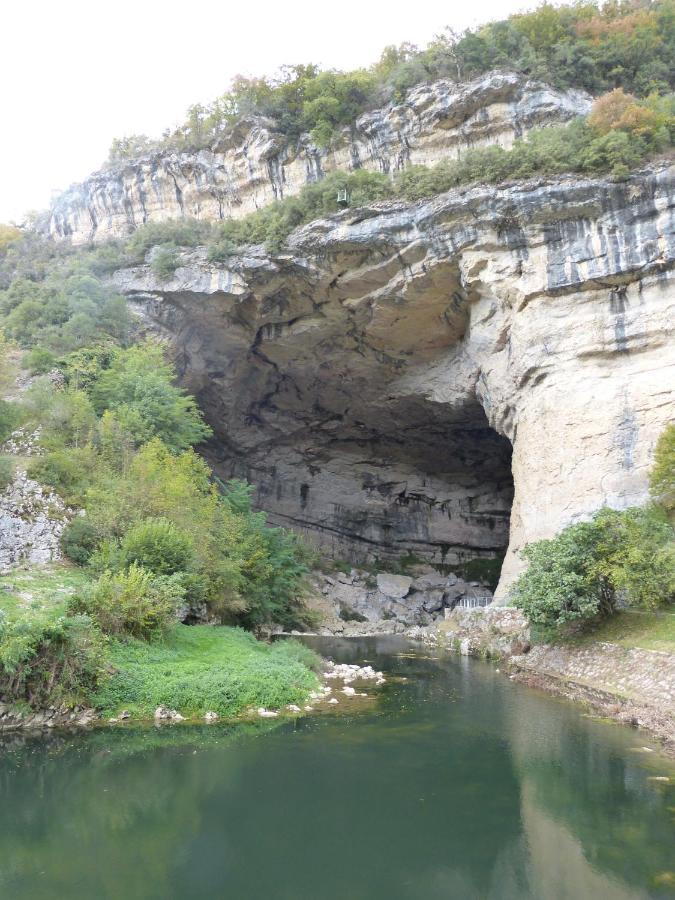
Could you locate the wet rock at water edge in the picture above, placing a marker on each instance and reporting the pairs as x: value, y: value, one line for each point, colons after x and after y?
x: 164, y: 714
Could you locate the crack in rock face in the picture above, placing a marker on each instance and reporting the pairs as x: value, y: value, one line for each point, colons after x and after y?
x: 447, y: 379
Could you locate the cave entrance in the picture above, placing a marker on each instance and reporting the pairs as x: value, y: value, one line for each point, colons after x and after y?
x: 409, y: 484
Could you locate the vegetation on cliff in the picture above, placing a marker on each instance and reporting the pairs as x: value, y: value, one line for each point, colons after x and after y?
x: 621, y: 133
x: 628, y: 44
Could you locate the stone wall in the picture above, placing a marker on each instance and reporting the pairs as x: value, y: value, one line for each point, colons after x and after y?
x: 629, y: 673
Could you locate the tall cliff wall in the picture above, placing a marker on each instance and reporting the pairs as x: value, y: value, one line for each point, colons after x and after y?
x: 254, y: 164
x: 451, y: 378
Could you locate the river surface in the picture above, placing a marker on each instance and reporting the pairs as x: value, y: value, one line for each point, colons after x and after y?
x: 453, y: 783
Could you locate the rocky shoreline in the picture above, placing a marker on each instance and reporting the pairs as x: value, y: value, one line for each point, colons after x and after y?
x: 631, y: 686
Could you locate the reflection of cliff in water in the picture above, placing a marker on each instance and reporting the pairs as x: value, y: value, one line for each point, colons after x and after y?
x: 459, y: 785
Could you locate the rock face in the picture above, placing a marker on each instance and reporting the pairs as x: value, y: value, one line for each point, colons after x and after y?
x: 496, y: 632
x: 448, y: 379
x: 253, y: 164
x: 32, y: 519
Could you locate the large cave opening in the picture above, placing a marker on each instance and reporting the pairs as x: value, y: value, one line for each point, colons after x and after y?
x: 410, y: 481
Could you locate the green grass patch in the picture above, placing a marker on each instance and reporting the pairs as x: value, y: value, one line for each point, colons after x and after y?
x: 40, y: 588
x: 200, y: 668
x: 632, y: 628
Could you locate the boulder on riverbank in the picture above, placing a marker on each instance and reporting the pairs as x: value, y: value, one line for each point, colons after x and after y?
x: 359, y: 602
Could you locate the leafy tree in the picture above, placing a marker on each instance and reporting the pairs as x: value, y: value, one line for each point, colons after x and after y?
x: 561, y: 584
x: 662, y: 478
x: 582, y: 573
x: 137, y: 386
x: 636, y: 555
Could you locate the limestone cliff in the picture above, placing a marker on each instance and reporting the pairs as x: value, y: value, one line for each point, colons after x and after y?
x: 254, y: 164
x: 448, y: 378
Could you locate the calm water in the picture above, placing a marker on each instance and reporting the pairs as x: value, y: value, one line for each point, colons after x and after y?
x: 455, y: 784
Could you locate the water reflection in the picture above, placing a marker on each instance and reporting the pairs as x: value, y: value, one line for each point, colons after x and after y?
x: 459, y: 785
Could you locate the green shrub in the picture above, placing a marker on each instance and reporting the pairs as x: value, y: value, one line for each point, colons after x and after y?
x: 164, y: 262
x: 9, y: 419
x: 173, y: 233
x: 662, y: 478
x: 68, y: 471
x: 134, y: 603
x: 158, y: 546
x: 46, y: 661
x: 79, y: 540
x: 40, y: 360
x: 580, y: 575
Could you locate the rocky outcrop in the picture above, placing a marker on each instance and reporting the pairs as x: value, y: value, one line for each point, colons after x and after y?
x: 32, y: 519
x: 361, y: 603
x: 254, y: 164
x: 498, y: 632
x: 446, y: 380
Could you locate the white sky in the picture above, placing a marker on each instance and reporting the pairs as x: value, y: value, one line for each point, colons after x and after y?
x: 77, y: 73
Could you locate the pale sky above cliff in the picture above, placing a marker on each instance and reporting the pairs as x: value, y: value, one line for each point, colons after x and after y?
x: 76, y: 74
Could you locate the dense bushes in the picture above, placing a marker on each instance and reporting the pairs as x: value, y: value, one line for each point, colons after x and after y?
x: 6, y: 472
x: 625, y: 558
x: 46, y: 660
x: 70, y: 308
x: 133, y: 603
x: 158, y: 546
x: 116, y: 446
x: 629, y: 45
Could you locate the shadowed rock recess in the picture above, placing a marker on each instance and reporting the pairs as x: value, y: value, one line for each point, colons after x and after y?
x: 449, y: 379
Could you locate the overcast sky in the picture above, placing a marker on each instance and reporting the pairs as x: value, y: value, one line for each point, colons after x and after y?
x: 76, y: 74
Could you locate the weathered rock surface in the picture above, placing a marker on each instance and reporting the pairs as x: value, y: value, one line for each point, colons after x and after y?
x: 32, y: 519
x: 446, y: 379
x: 496, y: 631
x: 358, y: 603
x: 253, y: 164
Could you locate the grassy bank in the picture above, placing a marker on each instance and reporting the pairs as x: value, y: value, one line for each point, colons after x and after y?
x: 200, y: 668
x: 646, y: 630
x: 193, y: 669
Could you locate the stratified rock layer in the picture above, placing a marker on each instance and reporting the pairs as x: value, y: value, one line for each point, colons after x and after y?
x: 443, y: 379
x: 254, y: 164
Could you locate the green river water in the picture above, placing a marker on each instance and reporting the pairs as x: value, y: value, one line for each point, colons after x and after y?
x: 452, y: 783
